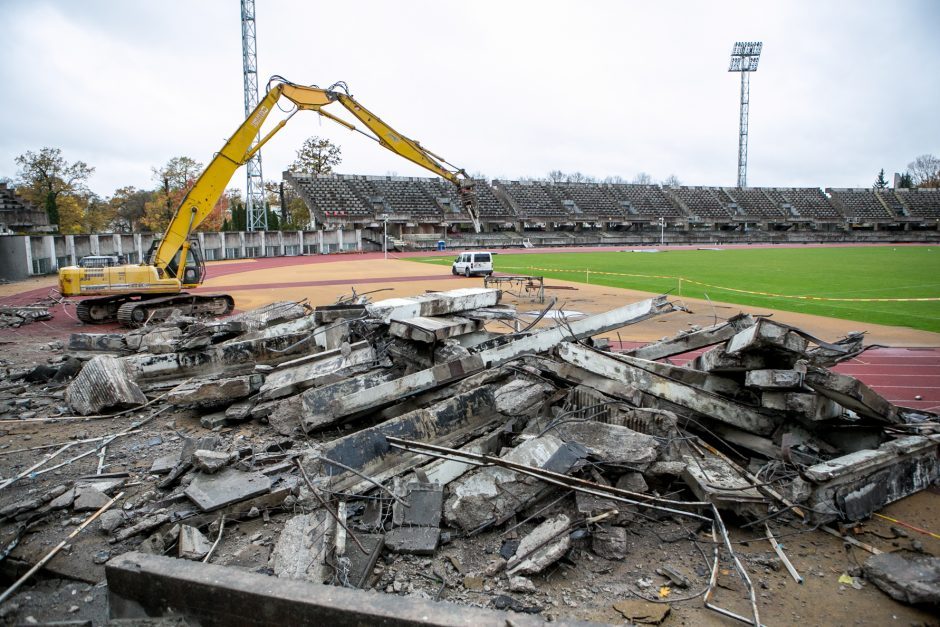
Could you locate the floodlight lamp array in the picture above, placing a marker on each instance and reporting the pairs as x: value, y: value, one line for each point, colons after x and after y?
x: 745, y: 56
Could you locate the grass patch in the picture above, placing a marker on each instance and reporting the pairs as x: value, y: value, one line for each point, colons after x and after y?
x: 850, y: 272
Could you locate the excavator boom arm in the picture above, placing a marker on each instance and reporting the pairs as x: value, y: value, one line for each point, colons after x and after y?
x: 208, y: 188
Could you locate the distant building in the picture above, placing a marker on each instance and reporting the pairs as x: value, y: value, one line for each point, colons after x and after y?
x: 17, y: 214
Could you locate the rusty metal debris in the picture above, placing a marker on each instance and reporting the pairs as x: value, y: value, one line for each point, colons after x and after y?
x: 406, y: 427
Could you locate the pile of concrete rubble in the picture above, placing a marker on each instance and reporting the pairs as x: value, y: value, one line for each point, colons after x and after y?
x: 403, y: 425
x: 13, y: 317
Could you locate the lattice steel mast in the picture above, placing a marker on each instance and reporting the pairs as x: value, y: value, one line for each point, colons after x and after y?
x: 255, y: 210
x: 744, y: 59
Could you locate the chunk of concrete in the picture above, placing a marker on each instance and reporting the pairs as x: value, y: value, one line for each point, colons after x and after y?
x: 104, y: 383
x: 318, y: 403
x: 361, y: 563
x: 545, y: 545
x: 719, y: 361
x: 306, y: 372
x: 609, y: 542
x: 433, y: 304
x: 302, y: 548
x: 210, y: 462
x: 773, y: 379
x: 215, y: 391
x: 490, y: 494
x: 767, y: 335
x: 713, y: 479
x: 909, y: 579
x: 853, y: 394
x: 805, y: 405
x: 160, y: 341
x: 193, y: 545
x: 424, y: 506
x: 521, y: 396
x: 389, y: 392
x: 89, y: 499
x: 210, y: 492
x: 413, y: 540
x: 430, y: 330
x: 853, y: 486
x: 686, y: 342
x: 610, y: 443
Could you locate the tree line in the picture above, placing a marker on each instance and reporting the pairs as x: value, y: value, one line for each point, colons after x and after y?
x: 47, y: 180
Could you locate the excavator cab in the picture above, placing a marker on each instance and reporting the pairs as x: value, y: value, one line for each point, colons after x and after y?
x: 194, y: 271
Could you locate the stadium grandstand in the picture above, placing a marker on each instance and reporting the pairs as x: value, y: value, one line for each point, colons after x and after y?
x: 419, y: 209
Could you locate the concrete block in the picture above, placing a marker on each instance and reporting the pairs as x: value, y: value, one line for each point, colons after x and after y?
x: 210, y: 462
x: 553, y: 538
x: 215, y: 391
x: 318, y: 403
x: 298, y: 375
x: 767, y: 335
x: 424, y: 506
x: 853, y: 394
x: 430, y: 330
x: 303, y: 546
x: 146, y: 586
x: 773, y: 379
x: 103, y: 383
x: 434, y: 304
x: 413, y: 540
x: 210, y: 492
x: 193, y: 545
x: 610, y: 443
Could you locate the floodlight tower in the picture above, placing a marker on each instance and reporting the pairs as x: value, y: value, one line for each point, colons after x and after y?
x: 255, y: 211
x: 744, y: 58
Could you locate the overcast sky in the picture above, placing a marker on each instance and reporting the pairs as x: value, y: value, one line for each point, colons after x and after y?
x: 509, y: 89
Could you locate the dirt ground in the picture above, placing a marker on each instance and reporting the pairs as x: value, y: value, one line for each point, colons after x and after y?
x: 582, y: 586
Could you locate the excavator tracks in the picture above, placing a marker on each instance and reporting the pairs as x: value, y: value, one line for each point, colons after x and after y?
x: 99, y: 310
x: 138, y: 312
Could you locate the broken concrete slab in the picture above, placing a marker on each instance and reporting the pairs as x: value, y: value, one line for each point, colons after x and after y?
x: 142, y: 586
x: 714, y: 480
x: 97, y: 343
x: 413, y: 540
x: 318, y: 403
x: 767, y: 335
x: 853, y: 486
x: 695, y: 378
x: 522, y: 396
x: 433, y: 304
x: 193, y: 545
x: 272, y: 345
x: 543, y: 546
x: 644, y: 612
x: 302, y: 548
x: 430, y: 330
x: 215, y: 391
x: 160, y: 341
x: 685, y: 342
x: 913, y: 579
x: 424, y: 502
x: 804, y: 405
x: 490, y: 494
x: 711, y: 405
x: 718, y: 360
x: 774, y: 379
x: 853, y: 394
x: 89, y: 499
x: 542, y: 341
x: 103, y: 383
x: 386, y: 393
x: 210, y: 492
x: 609, y: 443
x: 368, y: 451
x: 300, y: 374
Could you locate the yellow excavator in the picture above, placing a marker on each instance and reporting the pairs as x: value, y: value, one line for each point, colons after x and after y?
x: 136, y: 293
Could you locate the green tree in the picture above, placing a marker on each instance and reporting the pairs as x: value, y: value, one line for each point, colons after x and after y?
x: 317, y: 156
x: 905, y: 182
x: 880, y: 182
x: 129, y: 204
x: 45, y: 178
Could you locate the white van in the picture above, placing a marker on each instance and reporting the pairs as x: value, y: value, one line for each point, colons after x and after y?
x: 469, y: 264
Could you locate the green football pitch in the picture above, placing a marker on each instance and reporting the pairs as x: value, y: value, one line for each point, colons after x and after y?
x: 764, y: 277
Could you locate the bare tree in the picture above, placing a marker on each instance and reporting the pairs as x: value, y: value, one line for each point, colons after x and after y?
x: 925, y: 171
x: 672, y: 181
x: 642, y: 178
